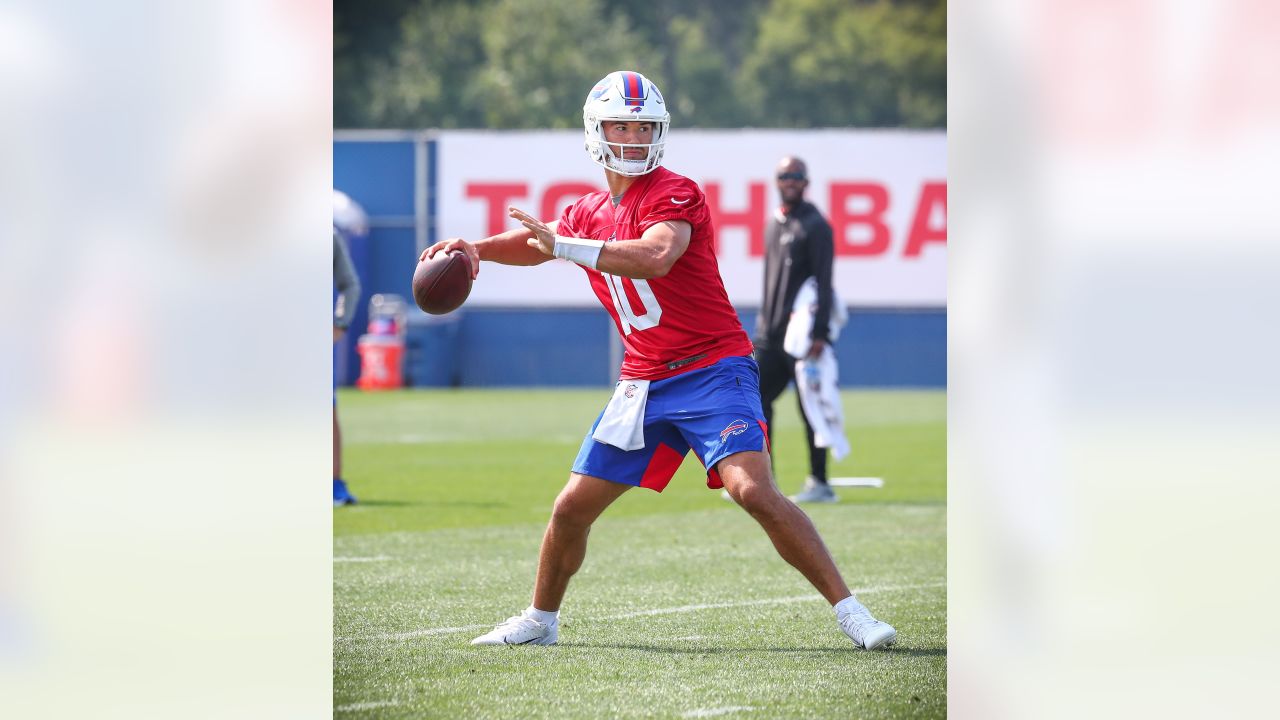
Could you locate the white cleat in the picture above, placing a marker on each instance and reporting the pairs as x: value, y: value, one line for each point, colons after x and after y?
x: 815, y: 492
x: 865, y: 631
x: 520, y: 630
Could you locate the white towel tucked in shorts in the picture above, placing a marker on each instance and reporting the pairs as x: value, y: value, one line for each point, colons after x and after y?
x: 622, y: 424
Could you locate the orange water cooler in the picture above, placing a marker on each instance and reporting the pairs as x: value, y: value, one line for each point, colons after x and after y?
x: 381, y: 350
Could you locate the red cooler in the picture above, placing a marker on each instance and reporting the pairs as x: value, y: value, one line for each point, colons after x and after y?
x: 381, y: 362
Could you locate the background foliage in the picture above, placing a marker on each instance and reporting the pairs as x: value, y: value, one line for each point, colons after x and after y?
x: 721, y: 63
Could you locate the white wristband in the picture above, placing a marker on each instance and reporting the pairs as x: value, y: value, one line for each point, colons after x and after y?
x: 583, y: 252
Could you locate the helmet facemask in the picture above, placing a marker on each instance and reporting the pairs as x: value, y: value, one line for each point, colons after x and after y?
x: 601, y: 150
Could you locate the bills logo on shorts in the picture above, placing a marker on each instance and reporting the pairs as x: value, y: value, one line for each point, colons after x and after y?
x: 736, y: 427
x: 630, y: 391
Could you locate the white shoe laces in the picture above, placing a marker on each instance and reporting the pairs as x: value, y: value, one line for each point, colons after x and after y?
x: 518, y: 621
x: 857, y: 620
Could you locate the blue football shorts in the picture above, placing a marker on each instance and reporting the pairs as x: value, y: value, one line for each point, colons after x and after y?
x: 714, y: 411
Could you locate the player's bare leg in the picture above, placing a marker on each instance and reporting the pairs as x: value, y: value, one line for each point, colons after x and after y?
x: 747, y: 477
x: 564, y: 545
x: 563, y: 548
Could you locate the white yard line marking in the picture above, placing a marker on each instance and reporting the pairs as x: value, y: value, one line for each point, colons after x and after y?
x: 746, y: 603
x: 376, y: 558
x: 712, y: 712
x: 645, y: 613
x: 365, y: 706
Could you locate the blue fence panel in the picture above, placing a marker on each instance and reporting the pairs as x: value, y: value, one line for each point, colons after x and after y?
x: 379, y: 175
x: 570, y: 347
x: 433, y: 350
x: 557, y: 347
x: 894, y: 348
x: 888, y: 347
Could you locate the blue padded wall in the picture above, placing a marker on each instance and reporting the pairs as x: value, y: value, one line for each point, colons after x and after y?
x: 570, y: 347
x: 378, y: 175
x: 888, y: 347
x: 561, y: 347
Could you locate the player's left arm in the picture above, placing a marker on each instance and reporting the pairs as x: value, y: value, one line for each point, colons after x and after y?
x: 649, y: 256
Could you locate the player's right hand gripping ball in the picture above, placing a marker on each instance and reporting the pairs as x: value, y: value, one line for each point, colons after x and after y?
x: 442, y: 283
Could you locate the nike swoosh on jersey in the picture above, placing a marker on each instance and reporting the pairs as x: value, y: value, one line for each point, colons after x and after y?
x: 680, y: 202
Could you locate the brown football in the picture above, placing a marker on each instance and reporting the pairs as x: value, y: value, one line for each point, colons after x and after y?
x: 442, y: 283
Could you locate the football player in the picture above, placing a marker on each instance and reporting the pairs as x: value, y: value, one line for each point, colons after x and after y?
x: 688, y: 379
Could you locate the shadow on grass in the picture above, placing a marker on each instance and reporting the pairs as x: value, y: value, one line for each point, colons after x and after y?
x: 386, y: 503
x: 670, y: 650
x: 431, y: 503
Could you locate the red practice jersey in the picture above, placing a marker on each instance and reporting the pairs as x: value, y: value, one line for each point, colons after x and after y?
x: 669, y: 325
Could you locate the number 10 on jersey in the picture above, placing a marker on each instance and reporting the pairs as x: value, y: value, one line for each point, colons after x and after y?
x: 626, y: 314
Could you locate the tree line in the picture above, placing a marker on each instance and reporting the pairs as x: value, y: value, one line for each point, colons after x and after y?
x: 508, y: 64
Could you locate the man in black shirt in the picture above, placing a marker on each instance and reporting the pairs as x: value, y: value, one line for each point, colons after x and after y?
x: 798, y: 245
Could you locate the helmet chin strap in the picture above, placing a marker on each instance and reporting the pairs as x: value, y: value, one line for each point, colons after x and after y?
x: 628, y: 167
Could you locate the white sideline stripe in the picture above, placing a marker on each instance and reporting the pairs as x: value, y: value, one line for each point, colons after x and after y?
x: 365, y: 706
x: 376, y: 558
x: 644, y: 613
x: 712, y: 712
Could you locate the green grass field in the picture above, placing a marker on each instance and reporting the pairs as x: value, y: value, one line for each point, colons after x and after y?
x: 682, y: 608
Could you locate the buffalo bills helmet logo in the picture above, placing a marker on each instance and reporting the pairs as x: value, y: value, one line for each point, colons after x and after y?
x: 630, y: 391
x: 737, y: 427
x: 633, y: 91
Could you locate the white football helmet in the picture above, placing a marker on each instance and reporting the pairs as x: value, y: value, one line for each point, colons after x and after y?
x: 625, y: 96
